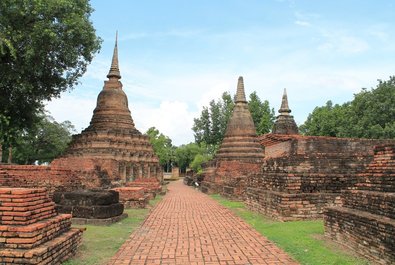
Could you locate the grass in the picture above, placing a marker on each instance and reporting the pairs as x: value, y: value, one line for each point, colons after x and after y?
x: 303, y: 240
x: 100, y: 243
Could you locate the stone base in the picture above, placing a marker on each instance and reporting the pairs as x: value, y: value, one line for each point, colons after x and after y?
x: 106, y: 221
x: 369, y: 235
x: 54, y: 251
x: 290, y: 206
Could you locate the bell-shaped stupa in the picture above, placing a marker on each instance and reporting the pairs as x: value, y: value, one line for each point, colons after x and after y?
x: 285, y: 123
x: 240, y: 141
x: 112, y: 135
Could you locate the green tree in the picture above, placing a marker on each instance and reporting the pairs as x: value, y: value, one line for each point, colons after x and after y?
x: 261, y: 113
x: 45, y: 47
x: 163, y: 148
x: 186, y: 154
x: 369, y: 115
x: 210, y: 127
x: 198, y: 161
x: 46, y: 140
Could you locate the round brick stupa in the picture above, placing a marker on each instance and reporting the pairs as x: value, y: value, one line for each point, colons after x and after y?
x: 240, y: 141
x: 111, y: 139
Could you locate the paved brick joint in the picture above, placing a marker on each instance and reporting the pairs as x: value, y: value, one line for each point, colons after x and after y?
x: 188, y: 227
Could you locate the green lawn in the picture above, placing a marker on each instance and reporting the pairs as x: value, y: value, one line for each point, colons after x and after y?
x: 100, y: 243
x: 303, y: 240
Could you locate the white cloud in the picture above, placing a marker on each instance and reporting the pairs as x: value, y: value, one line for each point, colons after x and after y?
x: 302, y: 23
x: 172, y: 118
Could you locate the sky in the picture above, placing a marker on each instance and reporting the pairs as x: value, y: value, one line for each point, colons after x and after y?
x: 177, y: 56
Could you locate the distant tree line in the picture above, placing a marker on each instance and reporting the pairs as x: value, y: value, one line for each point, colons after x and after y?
x: 371, y: 114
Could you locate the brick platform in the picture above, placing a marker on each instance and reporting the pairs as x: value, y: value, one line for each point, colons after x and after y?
x: 31, y: 231
x: 132, y: 197
x: 188, y: 227
x: 366, y: 221
x: 151, y: 186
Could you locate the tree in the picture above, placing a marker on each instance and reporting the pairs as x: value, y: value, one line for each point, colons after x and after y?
x: 163, y: 148
x: 369, y: 115
x: 46, y: 140
x: 261, y: 113
x: 186, y: 155
x: 45, y: 47
x: 210, y: 127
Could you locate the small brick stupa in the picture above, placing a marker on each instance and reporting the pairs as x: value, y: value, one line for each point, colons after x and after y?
x: 240, y: 152
x: 111, y: 141
x: 240, y: 141
x: 285, y: 123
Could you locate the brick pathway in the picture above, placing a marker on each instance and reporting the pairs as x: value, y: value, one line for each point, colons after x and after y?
x: 188, y: 227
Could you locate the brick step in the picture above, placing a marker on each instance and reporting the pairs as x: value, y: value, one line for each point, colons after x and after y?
x: 54, y: 251
x: 32, y: 235
x: 379, y: 203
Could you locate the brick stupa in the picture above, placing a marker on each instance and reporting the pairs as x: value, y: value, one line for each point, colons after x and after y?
x: 285, y: 123
x: 111, y: 141
x: 240, y: 152
x: 240, y: 141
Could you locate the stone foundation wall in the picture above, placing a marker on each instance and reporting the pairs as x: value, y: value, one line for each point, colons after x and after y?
x: 366, y: 220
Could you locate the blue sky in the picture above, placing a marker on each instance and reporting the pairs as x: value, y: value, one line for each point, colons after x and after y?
x: 176, y: 56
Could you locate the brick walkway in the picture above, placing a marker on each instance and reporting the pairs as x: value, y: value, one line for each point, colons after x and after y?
x: 188, y: 227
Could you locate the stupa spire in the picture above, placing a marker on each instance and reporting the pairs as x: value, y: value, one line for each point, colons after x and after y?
x: 284, y: 109
x: 240, y: 94
x: 285, y: 123
x: 114, y: 69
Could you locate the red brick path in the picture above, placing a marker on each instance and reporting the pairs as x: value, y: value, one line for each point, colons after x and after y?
x: 188, y: 227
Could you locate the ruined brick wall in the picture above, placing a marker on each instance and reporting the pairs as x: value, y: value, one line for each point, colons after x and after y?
x: 30, y: 176
x: 50, y: 177
x: 310, y: 177
x: 366, y: 220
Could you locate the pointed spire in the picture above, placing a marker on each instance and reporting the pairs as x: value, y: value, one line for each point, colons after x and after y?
x: 240, y: 94
x: 114, y: 69
x: 284, y: 109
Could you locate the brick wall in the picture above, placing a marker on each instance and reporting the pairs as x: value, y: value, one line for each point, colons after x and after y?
x: 366, y: 220
x: 53, y: 178
x: 309, y: 175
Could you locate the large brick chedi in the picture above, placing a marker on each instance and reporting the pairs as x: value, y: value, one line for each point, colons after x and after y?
x: 30, y: 230
x: 366, y: 220
x: 239, y: 154
x: 111, y: 141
